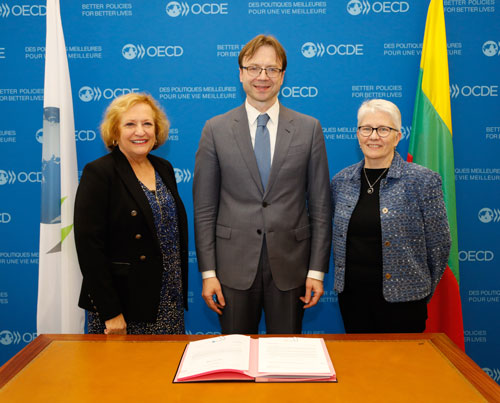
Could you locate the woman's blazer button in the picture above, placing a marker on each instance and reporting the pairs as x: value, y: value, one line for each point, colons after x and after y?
x: 388, y: 276
x: 138, y: 236
x: 142, y: 257
x: 133, y: 213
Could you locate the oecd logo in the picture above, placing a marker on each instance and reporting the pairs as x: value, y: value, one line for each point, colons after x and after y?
x: 490, y: 48
x: 87, y: 94
x: 7, y: 337
x: 357, y: 7
x: 473, y: 91
x: 476, y: 255
x: 23, y: 10
x: 299, y: 92
x: 10, y: 177
x: 175, y: 9
x: 310, y: 49
x: 182, y: 175
x: 487, y: 215
x: 130, y: 51
x: 493, y: 373
x: 7, y: 177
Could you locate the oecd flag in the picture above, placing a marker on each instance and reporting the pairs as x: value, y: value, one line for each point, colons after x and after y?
x: 59, y: 277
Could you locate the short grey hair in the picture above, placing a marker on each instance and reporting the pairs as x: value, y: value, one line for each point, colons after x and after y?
x: 380, y: 105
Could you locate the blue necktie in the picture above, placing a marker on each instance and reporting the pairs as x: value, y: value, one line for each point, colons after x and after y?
x: 262, y: 148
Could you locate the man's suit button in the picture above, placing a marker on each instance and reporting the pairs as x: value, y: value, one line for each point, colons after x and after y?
x: 264, y: 204
x: 138, y: 236
x: 142, y: 257
x: 259, y: 231
x: 133, y: 213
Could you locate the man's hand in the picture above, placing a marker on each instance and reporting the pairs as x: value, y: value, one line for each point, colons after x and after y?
x: 211, y: 288
x: 314, y: 291
x: 116, y: 325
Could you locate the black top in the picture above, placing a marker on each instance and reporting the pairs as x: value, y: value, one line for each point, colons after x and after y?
x: 117, y: 243
x: 364, y: 235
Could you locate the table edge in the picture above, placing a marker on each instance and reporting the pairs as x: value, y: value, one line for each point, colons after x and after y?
x: 464, y: 364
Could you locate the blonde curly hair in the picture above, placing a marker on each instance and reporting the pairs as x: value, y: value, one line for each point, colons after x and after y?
x: 110, y: 130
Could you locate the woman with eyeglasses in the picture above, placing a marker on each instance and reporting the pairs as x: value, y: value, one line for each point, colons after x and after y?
x: 391, y: 237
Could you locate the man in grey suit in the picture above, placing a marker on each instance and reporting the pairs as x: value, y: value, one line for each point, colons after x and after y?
x: 262, y: 203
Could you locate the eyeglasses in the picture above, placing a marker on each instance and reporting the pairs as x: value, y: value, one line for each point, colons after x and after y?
x: 382, y: 131
x: 255, y: 71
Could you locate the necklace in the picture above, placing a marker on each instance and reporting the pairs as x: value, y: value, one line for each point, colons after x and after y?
x: 371, y: 185
x: 155, y: 192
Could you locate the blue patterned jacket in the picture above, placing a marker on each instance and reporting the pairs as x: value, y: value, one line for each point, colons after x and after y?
x: 415, y: 233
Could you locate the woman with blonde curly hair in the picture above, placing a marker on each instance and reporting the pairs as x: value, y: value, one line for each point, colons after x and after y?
x: 131, y: 227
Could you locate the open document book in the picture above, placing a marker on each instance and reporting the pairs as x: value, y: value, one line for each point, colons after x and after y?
x: 267, y: 359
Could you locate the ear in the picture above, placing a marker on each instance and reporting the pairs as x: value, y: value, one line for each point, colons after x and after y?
x: 398, y: 138
x: 282, y: 77
x: 241, y: 75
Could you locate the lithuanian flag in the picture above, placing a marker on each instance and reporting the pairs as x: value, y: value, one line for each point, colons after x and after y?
x: 431, y: 146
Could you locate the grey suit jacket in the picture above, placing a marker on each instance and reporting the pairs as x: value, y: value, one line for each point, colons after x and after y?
x: 233, y: 213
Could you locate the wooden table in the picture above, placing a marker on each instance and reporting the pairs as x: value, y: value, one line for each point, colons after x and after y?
x: 370, y: 368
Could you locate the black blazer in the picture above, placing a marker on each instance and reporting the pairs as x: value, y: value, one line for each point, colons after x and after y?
x: 116, y: 241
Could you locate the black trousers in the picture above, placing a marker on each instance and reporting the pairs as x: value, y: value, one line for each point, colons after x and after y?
x: 283, y: 309
x: 364, y: 310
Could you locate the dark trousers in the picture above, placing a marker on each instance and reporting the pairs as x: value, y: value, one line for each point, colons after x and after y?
x: 364, y: 310
x: 283, y: 309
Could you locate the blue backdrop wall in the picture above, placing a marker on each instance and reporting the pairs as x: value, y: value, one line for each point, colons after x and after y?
x: 185, y: 54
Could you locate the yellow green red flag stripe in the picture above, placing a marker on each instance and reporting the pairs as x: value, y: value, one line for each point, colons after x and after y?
x: 431, y: 146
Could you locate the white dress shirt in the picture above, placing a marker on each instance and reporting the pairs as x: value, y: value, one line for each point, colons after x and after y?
x: 272, y: 124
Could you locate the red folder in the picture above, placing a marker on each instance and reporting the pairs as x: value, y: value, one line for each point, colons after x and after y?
x: 251, y: 373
